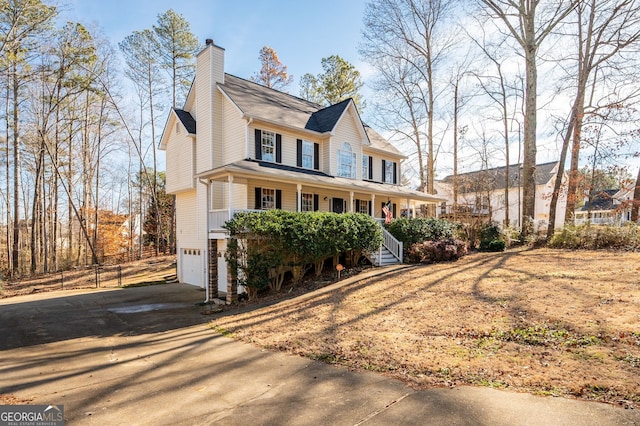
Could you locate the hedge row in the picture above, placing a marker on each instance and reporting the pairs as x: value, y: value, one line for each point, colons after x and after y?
x: 625, y: 237
x: 266, y: 245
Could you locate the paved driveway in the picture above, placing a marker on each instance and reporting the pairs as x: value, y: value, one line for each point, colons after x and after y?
x: 145, y: 356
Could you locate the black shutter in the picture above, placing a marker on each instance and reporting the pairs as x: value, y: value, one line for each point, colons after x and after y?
x: 370, y: 208
x: 278, y: 148
x: 299, y: 153
x: 393, y: 212
x: 258, y: 134
x: 384, y: 170
x: 316, y: 156
x: 316, y: 202
x: 395, y: 172
x: 381, y: 207
x: 357, y: 206
x: 278, y: 199
x: 370, y: 168
x: 258, y: 198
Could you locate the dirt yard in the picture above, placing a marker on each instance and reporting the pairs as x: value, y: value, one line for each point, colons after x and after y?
x: 551, y: 322
x: 155, y: 270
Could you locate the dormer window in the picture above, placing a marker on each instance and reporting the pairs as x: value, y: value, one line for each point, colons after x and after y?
x: 346, y: 162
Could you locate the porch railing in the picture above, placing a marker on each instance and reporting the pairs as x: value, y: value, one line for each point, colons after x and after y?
x: 390, y: 243
x: 219, y: 217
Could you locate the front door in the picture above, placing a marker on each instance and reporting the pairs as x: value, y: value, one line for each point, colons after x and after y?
x: 338, y: 205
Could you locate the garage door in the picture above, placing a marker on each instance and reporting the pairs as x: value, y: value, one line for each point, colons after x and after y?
x: 192, y: 267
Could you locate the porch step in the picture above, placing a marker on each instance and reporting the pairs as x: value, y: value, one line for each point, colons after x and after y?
x: 386, y: 259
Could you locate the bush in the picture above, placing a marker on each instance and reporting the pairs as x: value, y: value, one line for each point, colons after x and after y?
x: 592, y: 237
x: 436, y: 251
x: 266, y: 245
x: 418, y: 230
x: 491, y: 239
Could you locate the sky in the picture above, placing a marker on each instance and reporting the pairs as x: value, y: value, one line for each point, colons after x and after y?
x: 302, y: 32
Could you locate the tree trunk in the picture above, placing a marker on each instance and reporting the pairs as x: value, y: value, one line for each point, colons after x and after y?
x: 530, y: 149
x: 574, y: 173
x: 15, y: 251
x: 635, y: 208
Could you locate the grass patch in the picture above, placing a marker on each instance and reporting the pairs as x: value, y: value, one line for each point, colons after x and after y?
x: 545, y: 334
x: 489, y: 320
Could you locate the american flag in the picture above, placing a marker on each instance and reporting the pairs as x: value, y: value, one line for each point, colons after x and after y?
x: 387, y: 212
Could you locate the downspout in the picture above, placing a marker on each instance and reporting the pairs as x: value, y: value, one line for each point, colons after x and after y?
x: 206, y: 249
x: 247, y: 146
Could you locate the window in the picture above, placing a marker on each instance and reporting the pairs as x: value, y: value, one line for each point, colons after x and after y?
x: 307, y: 154
x: 346, y: 162
x: 363, y: 206
x: 365, y: 166
x: 388, y: 172
x: 307, y: 202
x: 268, y: 146
x: 268, y: 199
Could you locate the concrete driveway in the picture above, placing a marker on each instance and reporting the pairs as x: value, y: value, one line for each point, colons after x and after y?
x: 145, y: 356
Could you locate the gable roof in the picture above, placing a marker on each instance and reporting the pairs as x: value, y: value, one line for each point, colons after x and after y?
x: 187, y: 120
x: 378, y: 142
x: 260, y: 102
x: 324, y: 120
x: 494, y: 179
x: 603, y: 200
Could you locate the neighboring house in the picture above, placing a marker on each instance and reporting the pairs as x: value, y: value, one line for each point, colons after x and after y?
x: 481, y: 195
x: 239, y: 146
x: 609, y: 207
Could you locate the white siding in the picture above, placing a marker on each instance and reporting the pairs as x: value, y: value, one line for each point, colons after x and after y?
x: 234, y: 134
x: 180, y: 160
x: 348, y: 131
x: 188, y: 230
x: 203, y: 86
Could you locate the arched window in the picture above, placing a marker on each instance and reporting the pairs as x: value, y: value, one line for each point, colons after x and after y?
x: 346, y: 161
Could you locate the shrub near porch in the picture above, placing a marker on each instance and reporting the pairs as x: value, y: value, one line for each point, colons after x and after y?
x: 266, y: 245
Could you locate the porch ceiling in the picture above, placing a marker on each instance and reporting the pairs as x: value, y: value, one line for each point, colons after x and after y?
x: 294, y: 175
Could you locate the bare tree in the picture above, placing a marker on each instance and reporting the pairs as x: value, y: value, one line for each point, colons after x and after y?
x: 635, y: 207
x: 21, y: 23
x: 529, y: 26
x: 399, y: 108
x: 417, y: 32
x: 497, y: 88
x: 603, y: 31
x: 273, y: 73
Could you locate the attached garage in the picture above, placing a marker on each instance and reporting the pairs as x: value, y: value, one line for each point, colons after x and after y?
x: 191, y: 262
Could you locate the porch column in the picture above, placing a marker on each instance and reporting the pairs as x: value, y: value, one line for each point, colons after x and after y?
x: 230, y: 195
x: 409, y: 213
x: 299, y: 195
x: 373, y: 205
x: 351, y: 202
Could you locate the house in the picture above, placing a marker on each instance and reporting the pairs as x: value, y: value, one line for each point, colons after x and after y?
x: 481, y: 195
x: 608, y: 207
x: 238, y: 146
